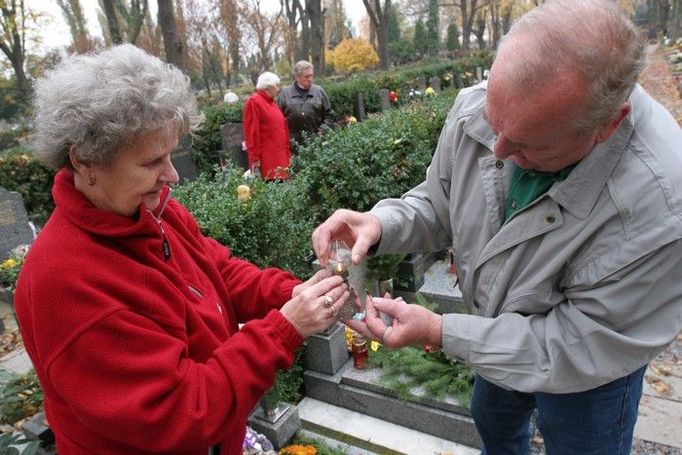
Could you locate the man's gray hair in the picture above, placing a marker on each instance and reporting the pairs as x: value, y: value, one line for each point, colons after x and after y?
x: 95, y: 104
x: 592, y: 38
x: 301, y: 66
x: 266, y: 80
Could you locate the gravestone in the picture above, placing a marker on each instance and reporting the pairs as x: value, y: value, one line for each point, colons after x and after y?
x: 183, y: 159
x: 14, y: 226
x: 385, y: 100
x: 421, y: 84
x: 359, y: 108
x: 434, y: 83
x: 232, y: 136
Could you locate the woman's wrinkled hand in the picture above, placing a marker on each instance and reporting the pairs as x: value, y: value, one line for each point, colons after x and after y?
x: 319, y: 276
x: 315, y: 304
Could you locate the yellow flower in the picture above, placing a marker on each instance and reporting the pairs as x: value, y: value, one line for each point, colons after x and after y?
x: 352, y: 119
x: 10, y: 263
x: 429, y: 91
x: 374, y: 346
x: 243, y: 193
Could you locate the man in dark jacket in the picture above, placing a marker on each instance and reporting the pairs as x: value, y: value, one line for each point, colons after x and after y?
x: 305, y: 105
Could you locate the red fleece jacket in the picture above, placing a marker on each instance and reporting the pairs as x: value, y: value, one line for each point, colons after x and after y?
x: 267, y: 136
x: 137, y: 354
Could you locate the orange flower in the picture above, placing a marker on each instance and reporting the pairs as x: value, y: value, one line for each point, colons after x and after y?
x: 298, y: 449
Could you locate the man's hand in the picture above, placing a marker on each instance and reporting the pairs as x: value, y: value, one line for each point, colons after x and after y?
x: 412, y: 324
x: 358, y: 230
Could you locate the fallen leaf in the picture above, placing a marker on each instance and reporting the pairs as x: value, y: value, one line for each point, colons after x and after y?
x: 663, y: 370
x: 661, y: 387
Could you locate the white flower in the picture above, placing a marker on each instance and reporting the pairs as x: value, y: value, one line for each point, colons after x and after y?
x: 230, y: 98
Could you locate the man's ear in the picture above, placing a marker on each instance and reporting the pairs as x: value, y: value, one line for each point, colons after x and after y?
x: 608, y: 129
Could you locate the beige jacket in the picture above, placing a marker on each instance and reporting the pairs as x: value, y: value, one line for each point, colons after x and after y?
x: 580, y: 288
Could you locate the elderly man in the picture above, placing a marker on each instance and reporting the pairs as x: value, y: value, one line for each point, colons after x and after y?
x: 559, y: 185
x: 305, y: 105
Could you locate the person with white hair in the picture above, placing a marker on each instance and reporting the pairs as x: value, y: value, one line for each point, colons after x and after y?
x: 558, y: 183
x: 266, y: 132
x: 129, y: 314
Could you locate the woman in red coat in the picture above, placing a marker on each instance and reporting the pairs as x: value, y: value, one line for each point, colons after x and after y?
x: 266, y: 131
x: 138, y: 344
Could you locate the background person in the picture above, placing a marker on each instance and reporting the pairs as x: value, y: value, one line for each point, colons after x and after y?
x: 265, y: 131
x: 559, y: 185
x: 128, y: 313
x: 306, y: 105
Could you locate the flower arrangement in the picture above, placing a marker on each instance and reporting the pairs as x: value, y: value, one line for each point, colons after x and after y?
x: 9, y: 268
x: 298, y: 449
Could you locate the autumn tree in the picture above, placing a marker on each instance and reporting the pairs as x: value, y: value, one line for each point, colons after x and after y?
x: 172, y: 44
x: 14, y: 17
x: 378, y: 16
x: 314, y: 11
x: 73, y: 14
x: 263, y: 30
x: 335, y: 26
x: 353, y: 54
x: 124, y: 19
x: 229, y: 15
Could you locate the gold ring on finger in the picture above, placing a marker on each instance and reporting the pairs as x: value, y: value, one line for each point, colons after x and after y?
x: 328, y: 301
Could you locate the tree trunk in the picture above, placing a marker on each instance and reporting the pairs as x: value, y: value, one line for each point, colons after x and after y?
x: 378, y: 17
x: 314, y: 9
x: 171, y: 41
x: 112, y: 21
x: 675, y: 20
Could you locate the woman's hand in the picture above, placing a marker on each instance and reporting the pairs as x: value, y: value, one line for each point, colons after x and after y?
x: 315, y: 306
x: 319, y: 276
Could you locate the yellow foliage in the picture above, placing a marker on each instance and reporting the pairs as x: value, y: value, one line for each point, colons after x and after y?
x: 353, y: 54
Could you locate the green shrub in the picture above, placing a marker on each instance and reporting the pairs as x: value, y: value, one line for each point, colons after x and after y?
x: 21, y: 397
x: 206, y: 140
x: 20, y: 171
x: 272, y: 229
x: 382, y: 157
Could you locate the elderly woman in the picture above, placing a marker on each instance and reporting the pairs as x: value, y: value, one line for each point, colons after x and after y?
x: 128, y: 312
x: 266, y: 131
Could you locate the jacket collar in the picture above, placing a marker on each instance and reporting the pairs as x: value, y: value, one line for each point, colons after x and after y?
x: 578, y: 193
x: 81, y: 212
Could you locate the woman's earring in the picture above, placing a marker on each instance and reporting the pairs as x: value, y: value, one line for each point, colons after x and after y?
x: 92, y: 180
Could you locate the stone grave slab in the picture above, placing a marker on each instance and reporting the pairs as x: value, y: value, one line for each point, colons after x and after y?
x: 232, y: 136
x: 183, y: 160
x: 441, y: 288
x: 14, y: 227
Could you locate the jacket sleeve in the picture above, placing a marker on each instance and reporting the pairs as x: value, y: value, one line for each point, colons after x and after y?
x: 575, y: 347
x: 420, y: 219
x: 252, y: 131
x: 147, y: 392
x: 253, y: 291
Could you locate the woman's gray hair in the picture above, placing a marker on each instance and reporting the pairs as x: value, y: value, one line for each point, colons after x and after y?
x: 95, y: 104
x: 592, y: 38
x: 267, y: 79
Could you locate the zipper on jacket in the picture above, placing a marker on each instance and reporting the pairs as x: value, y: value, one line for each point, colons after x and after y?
x: 165, y: 246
